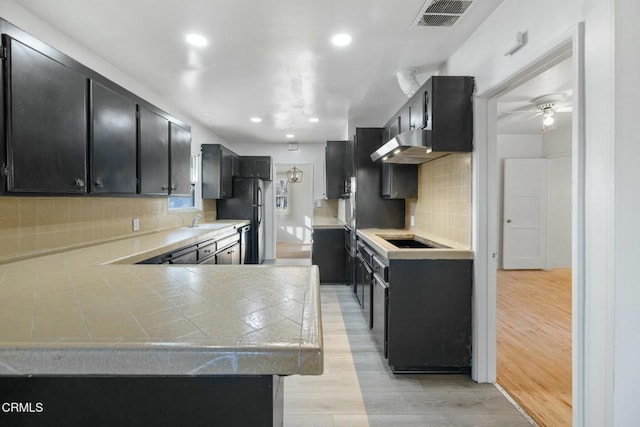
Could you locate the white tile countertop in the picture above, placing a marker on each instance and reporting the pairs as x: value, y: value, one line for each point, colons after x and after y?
x: 90, y: 311
x: 375, y: 238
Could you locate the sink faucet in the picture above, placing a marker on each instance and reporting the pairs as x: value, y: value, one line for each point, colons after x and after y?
x: 195, y: 220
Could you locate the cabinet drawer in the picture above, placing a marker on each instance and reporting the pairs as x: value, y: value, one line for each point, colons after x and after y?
x: 207, y: 251
x: 381, y: 269
x: 188, y: 258
x: 227, y: 241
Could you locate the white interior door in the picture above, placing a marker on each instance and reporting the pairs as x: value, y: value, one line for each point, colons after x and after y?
x: 524, y: 220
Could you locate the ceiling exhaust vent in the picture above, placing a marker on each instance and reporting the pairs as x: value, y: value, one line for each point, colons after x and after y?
x: 441, y: 13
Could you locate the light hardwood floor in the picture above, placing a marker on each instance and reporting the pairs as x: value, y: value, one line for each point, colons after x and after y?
x: 293, y: 250
x: 358, y: 389
x: 534, y: 342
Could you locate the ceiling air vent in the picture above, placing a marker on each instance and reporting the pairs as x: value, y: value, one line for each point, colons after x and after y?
x: 441, y: 13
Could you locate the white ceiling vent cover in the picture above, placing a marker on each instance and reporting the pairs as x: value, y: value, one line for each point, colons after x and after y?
x: 441, y: 13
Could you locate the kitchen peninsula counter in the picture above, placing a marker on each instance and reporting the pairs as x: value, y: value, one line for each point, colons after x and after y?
x: 90, y: 312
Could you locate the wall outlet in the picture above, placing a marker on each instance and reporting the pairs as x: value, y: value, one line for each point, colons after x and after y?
x: 412, y: 221
x: 136, y: 224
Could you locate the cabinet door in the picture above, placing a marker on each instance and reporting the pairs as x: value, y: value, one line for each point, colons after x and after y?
x: 235, y: 254
x: 263, y: 168
x: 180, y: 160
x: 405, y: 117
x: 349, y: 162
x: 226, y: 174
x: 154, y: 153
x: 224, y: 257
x: 113, y: 142
x: 416, y: 111
x: 256, y: 167
x: 394, y: 127
x: 335, y: 152
x: 328, y: 254
x: 47, y: 123
x: 236, y: 166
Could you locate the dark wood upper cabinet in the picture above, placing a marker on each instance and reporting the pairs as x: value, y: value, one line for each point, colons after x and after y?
x: 69, y: 130
x: 153, y: 137
x: 180, y: 160
x: 46, y: 123
x: 335, y: 160
x: 112, y: 142
x: 217, y: 171
x: 256, y: 167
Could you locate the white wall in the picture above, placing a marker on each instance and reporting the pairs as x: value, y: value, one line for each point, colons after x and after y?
x: 611, y: 91
x: 627, y: 205
x: 556, y: 148
x: 296, y: 225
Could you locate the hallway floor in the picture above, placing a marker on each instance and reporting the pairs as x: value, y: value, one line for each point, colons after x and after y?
x: 358, y: 389
x: 534, y: 342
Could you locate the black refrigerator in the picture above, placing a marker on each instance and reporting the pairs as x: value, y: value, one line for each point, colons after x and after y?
x: 247, y: 203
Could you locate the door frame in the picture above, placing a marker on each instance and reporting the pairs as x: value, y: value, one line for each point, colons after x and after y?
x: 485, y: 194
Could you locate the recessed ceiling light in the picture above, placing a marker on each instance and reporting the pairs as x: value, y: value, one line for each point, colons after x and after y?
x: 314, y: 120
x: 196, y: 40
x: 256, y: 119
x: 290, y: 135
x: 341, y: 39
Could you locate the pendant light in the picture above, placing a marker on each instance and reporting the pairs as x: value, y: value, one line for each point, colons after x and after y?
x: 294, y: 175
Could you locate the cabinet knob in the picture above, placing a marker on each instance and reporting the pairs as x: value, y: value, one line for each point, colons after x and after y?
x: 79, y: 183
x: 165, y: 187
x: 508, y: 221
x: 173, y: 187
x: 99, y: 184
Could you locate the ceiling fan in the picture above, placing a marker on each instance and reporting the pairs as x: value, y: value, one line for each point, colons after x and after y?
x: 546, y: 106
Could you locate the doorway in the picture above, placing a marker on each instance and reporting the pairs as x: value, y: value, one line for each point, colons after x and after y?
x: 293, y: 212
x: 534, y: 286
x: 486, y: 214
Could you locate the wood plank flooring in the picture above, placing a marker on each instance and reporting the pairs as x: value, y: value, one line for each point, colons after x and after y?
x: 293, y: 250
x: 534, y: 342
x: 358, y: 389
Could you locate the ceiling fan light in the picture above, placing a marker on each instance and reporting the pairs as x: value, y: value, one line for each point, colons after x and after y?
x: 548, y: 120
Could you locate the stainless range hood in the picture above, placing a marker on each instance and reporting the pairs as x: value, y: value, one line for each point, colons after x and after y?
x: 410, y: 147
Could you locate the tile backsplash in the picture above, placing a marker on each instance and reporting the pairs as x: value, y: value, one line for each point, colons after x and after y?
x: 328, y: 208
x: 443, y: 207
x: 36, y: 225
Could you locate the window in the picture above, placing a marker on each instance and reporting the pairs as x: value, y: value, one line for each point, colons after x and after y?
x: 187, y: 202
x: 282, y: 196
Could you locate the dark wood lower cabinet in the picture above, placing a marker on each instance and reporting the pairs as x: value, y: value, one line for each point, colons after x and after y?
x: 327, y: 253
x: 230, y: 255
x: 429, y: 317
x: 106, y: 401
x: 419, y: 310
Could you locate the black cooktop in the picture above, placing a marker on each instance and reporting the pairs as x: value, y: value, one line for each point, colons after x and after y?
x: 410, y: 243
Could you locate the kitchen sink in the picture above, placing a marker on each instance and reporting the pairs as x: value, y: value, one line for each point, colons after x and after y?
x: 211, y: 226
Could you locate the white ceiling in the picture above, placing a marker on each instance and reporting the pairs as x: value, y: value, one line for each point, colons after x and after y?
x: 266, y: 58
x: 517, y: 114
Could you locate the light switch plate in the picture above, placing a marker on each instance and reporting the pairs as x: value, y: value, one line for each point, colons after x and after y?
x: 412, y: 220
x: 136, y: 224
